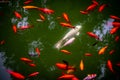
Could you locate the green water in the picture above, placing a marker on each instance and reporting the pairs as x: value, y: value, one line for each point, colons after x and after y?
x: 45, y: 34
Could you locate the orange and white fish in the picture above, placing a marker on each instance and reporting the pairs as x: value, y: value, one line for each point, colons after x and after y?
x: 33, y: 74
x: 26, y: 59
x: 30, y: 7
x: 14, y: 28
x: 16, y: 75
x: 42, y: 17
x: 114, y: 30
x: 18, y: 15
x: 101, y: 8
x: 46, y: 10
x: 37, y: 51
x: 102, y: 50
x: 65, y: 16
x: 114, y: 17
x: 109, y: 65
x: 66, y: 25
x: 81, y: 65
x: 91, y: 34
x: 65, y: 51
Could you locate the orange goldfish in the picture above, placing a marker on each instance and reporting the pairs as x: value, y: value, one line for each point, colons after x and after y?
x: 25, y: 59
x: 114, y: 30
x: 46, y: 10
x: 66, y: 76
x: 42, y: 17
x: 101, y: 8
x: 109, y: 65
x: 88, y: 54
x: 65, y: 16
x: 66, y: 25
x: 18, y: 15
x: 114, y: 17
x: 91, y: 7
x: 30, y: 7
x: 65, y: 51
x: 102, y: 50
x: 16, y: 75
x: 37, y: 51
x: 91, y: 34
x: 14, y: 28
x: 81, y: 65
x: 33, y: 74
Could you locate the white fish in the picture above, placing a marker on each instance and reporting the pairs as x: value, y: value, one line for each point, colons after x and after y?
x: 69, y: 41
x: 68, y: 37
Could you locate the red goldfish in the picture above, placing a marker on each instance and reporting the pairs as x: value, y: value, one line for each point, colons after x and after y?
x: 33, y: 74
x: 91, y: 7
x: 65, y: 51
x: 25, y: 59
x: 65, y: 16
x: 117, y: 38
x: 66, y: 25
x: 66, y: 76
x: 116, y: 24
x: 18, y: 15
x: 2, y: 42
x: 102, y: 50
x: 42, y: 17
x: 75, y: 78
x: 25, y: 27
x: 37, y: 51
x: 16, y: 75
x: 101, y: 8
x: 109, y: 65
x: 114, y: 17
x: 81, y: 65
x: 84, y: 12
x: 32, y: 64
x: 95, y: 2
x: 88, y: 54
x: 14, y: 28
x: 91, y: 34
x: 46, y: 10
x: 118, y: 64
x: 114, y: 30
x: 28, y: 1
x: 112, y: 51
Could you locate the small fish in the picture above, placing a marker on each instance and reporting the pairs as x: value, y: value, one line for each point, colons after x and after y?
x: 37, y: 51
x: 46, y: 10
x: 26, y: 59
x: 114, y: 30
x: 116, y: 24
x: 90, y: 77
x: 65, y: 51
x: 18, y: 15
x: 95, y: 2
x: 16, y: 75
x: 75, y: 78
x: 14, y: 28
x: 66, y: 25
x: 102, y: 50
x: 61, y: 66
x: 81, y: 65
x: 65, y: 16
x: 101, y: 8
x: 84, y: 12
x: 118, y: 64
x: 69, y: 41
x: 33, y: 74
x: 30, y: 7
x: 32, y: 64
x: 117, y: 38
x: 114, y: 17
x: 2, y: 42
x: 28, y: 1
x: 109, y: 65
x: 112, y: 51
x: 25, y: 27
x: 91, y: 34
x: 42, y: 17
x: 88, y: 54
x: 91, y: 7
x: 66, y: 76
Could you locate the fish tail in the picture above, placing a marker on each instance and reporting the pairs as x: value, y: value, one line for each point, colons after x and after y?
x: 58, y: 45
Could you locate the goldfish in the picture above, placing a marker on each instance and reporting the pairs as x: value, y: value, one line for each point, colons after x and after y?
x: 90, y: 77
x: 117, y: 38
x: 81, y: 65
x: 101, y: 8
x: 112, y: 51
x: 46, y: 10
x: 26, y: 59
x: 16, y: 75
x: 30, y: 7
x: 65, y: 16
x: 109, y: 65
x: 66, y: 25
x: 116, y: 24
x: 75, y: 78
x: 65, y: 51
x: 25, y: 27
x: 28, y: 1
x: 14, y: 28
x: 118, y: 64
x: 114, y: 17
x: 102, y: 50
x: 66, y: 76
x: 91, y: 34
x: 42, y: 17
x: 2, y: 42
x: 37, y: 51
x: 18, y: 15
x: 84, y: 12
x: 32, y: 64
x: 114, y: 30
x: 88, y: 54
x: 91, y: 7
x: 95, y: 2
x: 33, y: 74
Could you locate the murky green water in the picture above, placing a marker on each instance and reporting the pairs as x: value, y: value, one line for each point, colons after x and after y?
x: 45, y: 35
